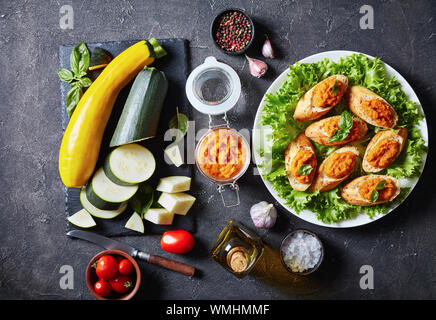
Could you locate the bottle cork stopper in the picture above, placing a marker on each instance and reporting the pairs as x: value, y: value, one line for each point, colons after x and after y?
x: 237, y: 259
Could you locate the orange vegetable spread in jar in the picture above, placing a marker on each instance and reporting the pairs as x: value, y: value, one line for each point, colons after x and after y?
x: 328, y: 93
x: 382, y: 154
x: 367, y: 187
x: 332, y: 125
x: 379, y: 111
x: 340, y: 164
x: 222, y: 154
x: 303, y: 156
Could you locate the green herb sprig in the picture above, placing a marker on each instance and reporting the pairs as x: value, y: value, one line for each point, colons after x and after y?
x: 305, y: 170
x: 178, y: 125
x: 375, y: 194
x: 142, y: 199
x: 335, y: 88
x: 79, y: 63
x: 345, y: 124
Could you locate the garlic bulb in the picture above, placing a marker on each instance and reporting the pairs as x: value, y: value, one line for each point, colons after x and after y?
x: 257, y: 67
x: 263, y: 214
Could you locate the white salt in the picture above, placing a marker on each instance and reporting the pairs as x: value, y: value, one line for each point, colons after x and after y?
x: 301, y: 252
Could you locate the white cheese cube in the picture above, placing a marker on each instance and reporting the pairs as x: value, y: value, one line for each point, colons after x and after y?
x: 174, y: 184
x: 178, y: 203
x: 173, y: 153
x: 159, y: 216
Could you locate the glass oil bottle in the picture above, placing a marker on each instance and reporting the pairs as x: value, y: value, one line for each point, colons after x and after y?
x: 237, y: 249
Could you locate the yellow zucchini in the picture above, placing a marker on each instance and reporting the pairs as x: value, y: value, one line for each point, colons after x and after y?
x: 80, y: 145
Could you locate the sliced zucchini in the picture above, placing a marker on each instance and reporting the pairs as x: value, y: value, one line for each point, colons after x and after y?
x: 174, y: 155
x: 174, y: 184
x: 159, y: 216
x: 99, y: 213
x: 129, y: 164
x: 82, y: 219
x: 106, y: 195
x: 135, y: 223
x: 178, y: 203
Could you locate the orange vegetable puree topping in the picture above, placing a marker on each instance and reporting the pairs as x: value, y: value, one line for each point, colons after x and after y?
x: 324, y: 93
x: 222, y: 154
x: 379, y: 111
x: 366, y: 188
x: 332, y: 125
x: 383, y: 153
x: 340, y: 164
x: 303, y: 156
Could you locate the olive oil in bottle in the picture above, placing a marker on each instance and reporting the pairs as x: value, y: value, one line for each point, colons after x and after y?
x: 237, y: 249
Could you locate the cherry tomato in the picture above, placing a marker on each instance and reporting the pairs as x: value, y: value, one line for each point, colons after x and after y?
x: 103, y: 288
x: 177, y: 241
x: 121, y: 283
x: 125, y: 267
x: 107, y: 267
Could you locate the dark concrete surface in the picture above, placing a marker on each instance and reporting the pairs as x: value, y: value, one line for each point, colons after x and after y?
x: 33, y: 245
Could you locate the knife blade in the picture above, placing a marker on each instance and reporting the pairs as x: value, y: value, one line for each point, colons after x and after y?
x: 111, y: 244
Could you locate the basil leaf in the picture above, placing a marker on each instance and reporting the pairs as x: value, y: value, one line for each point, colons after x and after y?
x: 345, y: 124
x: 380, y: 185
x: 65, y: 75
x: 346, y: 121
x: 335, y: 88
x: 73, y: 97
x: 178, y: 125
x: 374, y: 195
x: 79, y: 59
x: 85, y: 82
x: 305, y: 169
x: 142, y: 199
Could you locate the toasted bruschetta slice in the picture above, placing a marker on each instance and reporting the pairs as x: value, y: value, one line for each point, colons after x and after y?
x: 321, y: 98
x: 300, y: 162
x: 335, y: 168
x: 370, y: 107
x: 371, y: 190
x: 383, y: 149
x: 322, y: 130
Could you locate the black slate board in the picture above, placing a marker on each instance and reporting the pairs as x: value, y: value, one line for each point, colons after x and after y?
x: 175, y: 65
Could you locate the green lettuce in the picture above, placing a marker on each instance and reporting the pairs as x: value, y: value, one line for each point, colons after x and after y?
x: 278, y: 112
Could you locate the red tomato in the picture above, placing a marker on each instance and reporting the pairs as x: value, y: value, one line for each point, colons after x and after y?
x: 125, y: 267
x: 107, y: 267
x: 103, y: 288
x: 121, y: 283
x: 178, y: 241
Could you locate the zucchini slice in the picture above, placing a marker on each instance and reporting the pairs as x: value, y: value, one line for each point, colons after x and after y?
x: 140, y: 116
x: 82, y: 219
x: 106, y: 195
x: 135, y: 223
x: 99, y: 213
x: 129, y: 164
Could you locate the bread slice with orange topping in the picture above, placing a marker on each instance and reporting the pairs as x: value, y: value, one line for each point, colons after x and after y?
x: 370, y: 107
x: 383, y: 149
x: 335, y: 168
x: 371, y: 190
x: 321, y: 98
x: 300, y: 162
x: 321, y: 131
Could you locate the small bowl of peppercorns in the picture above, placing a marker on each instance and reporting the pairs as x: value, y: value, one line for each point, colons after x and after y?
x: 232, y: 31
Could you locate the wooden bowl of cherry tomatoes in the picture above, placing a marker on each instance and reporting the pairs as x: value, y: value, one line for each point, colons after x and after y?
x: 113, y: 275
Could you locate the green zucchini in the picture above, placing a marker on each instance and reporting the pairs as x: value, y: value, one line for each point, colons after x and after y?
x: 106, y: 195
x: 140, y: 116
x: 99, y: 213
x: 100, y: 58
x: 129, y: 164
x: 82, y: 219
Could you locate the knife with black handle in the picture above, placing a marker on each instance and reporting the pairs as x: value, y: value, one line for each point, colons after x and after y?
x: 111, y: 244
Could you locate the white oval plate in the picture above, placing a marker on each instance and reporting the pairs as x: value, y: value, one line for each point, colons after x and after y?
x: 258, y: 129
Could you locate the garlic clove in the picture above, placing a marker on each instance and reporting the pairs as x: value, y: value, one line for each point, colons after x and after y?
x: 257, y: 67
x: 267, y: 49
x: 263, y: 214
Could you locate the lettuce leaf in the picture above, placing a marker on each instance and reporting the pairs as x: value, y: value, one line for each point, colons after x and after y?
x: 278, y: 114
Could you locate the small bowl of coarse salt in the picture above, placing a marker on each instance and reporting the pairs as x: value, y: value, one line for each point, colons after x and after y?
x: 301, y: 252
